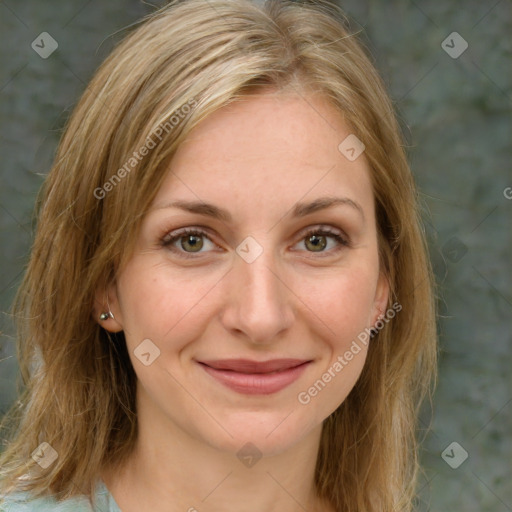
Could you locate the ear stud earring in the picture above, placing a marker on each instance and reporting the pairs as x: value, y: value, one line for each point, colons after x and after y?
x: 109, y: 314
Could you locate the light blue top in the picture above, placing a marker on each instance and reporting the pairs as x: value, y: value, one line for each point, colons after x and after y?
x: 22, y: 502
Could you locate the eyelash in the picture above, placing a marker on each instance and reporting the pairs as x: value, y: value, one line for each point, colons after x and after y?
x: 168, y: 240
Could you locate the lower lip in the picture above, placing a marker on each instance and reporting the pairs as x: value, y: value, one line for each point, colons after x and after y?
x: 256, y: 383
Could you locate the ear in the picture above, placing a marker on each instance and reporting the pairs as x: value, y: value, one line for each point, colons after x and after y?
x: 381, y: 298
x: 105, y: 299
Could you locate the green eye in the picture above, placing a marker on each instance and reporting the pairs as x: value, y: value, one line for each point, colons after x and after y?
x: 193, y: 241
x: 317, y: 239
x: 318, y: 243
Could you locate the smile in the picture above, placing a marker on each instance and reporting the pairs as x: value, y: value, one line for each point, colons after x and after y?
x: 255, y: 378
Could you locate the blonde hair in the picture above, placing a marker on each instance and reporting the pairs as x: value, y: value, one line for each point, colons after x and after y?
x: 80, y: 385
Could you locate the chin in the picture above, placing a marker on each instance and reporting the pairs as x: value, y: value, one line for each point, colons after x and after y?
x: 269, y: 434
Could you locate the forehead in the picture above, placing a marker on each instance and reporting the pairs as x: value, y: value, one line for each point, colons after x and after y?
x: 265, y: 153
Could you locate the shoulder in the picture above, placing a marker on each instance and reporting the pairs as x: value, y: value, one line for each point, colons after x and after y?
x: 24, y: 502
x: 21, y: 502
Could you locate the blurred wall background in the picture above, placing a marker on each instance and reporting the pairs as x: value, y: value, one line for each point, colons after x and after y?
x: 454, y: 103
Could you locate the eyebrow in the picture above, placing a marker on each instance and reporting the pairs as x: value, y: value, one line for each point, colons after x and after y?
x: 299, y: 210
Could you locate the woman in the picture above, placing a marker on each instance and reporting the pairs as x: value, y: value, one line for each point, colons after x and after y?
x: 229, y: 303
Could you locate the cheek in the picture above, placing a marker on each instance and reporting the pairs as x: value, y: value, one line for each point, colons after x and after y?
x: 157, y: 303
x: 340, y: 307
x: 342, y: 301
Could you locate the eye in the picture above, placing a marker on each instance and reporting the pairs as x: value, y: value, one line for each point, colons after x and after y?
x: 316, y: 240
x: 189, y: 240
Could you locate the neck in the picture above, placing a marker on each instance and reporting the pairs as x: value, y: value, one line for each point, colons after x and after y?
x: 171, y: 471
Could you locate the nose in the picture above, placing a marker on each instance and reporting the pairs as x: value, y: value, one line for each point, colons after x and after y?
x: 258, y: 301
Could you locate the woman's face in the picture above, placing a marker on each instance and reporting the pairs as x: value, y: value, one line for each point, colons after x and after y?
x: 264, y: 272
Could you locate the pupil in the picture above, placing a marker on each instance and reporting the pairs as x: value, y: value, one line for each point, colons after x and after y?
x: 318, y: 241
x: 194, y: 242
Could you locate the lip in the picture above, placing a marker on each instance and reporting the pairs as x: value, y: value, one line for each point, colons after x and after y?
x: 254, y: 377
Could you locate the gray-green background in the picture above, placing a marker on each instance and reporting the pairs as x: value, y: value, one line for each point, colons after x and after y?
x: 456, y: 114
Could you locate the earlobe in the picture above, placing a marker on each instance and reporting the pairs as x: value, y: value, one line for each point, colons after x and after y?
x: 105, y: 310
x: 381, y: 298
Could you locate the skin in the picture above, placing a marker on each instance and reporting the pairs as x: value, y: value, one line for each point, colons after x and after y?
x: 257, y: 159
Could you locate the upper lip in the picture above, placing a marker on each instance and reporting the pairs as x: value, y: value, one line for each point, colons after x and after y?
x: 248, y: 366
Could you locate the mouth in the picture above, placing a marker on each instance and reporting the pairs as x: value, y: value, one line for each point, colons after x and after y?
x: 253, y: 377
